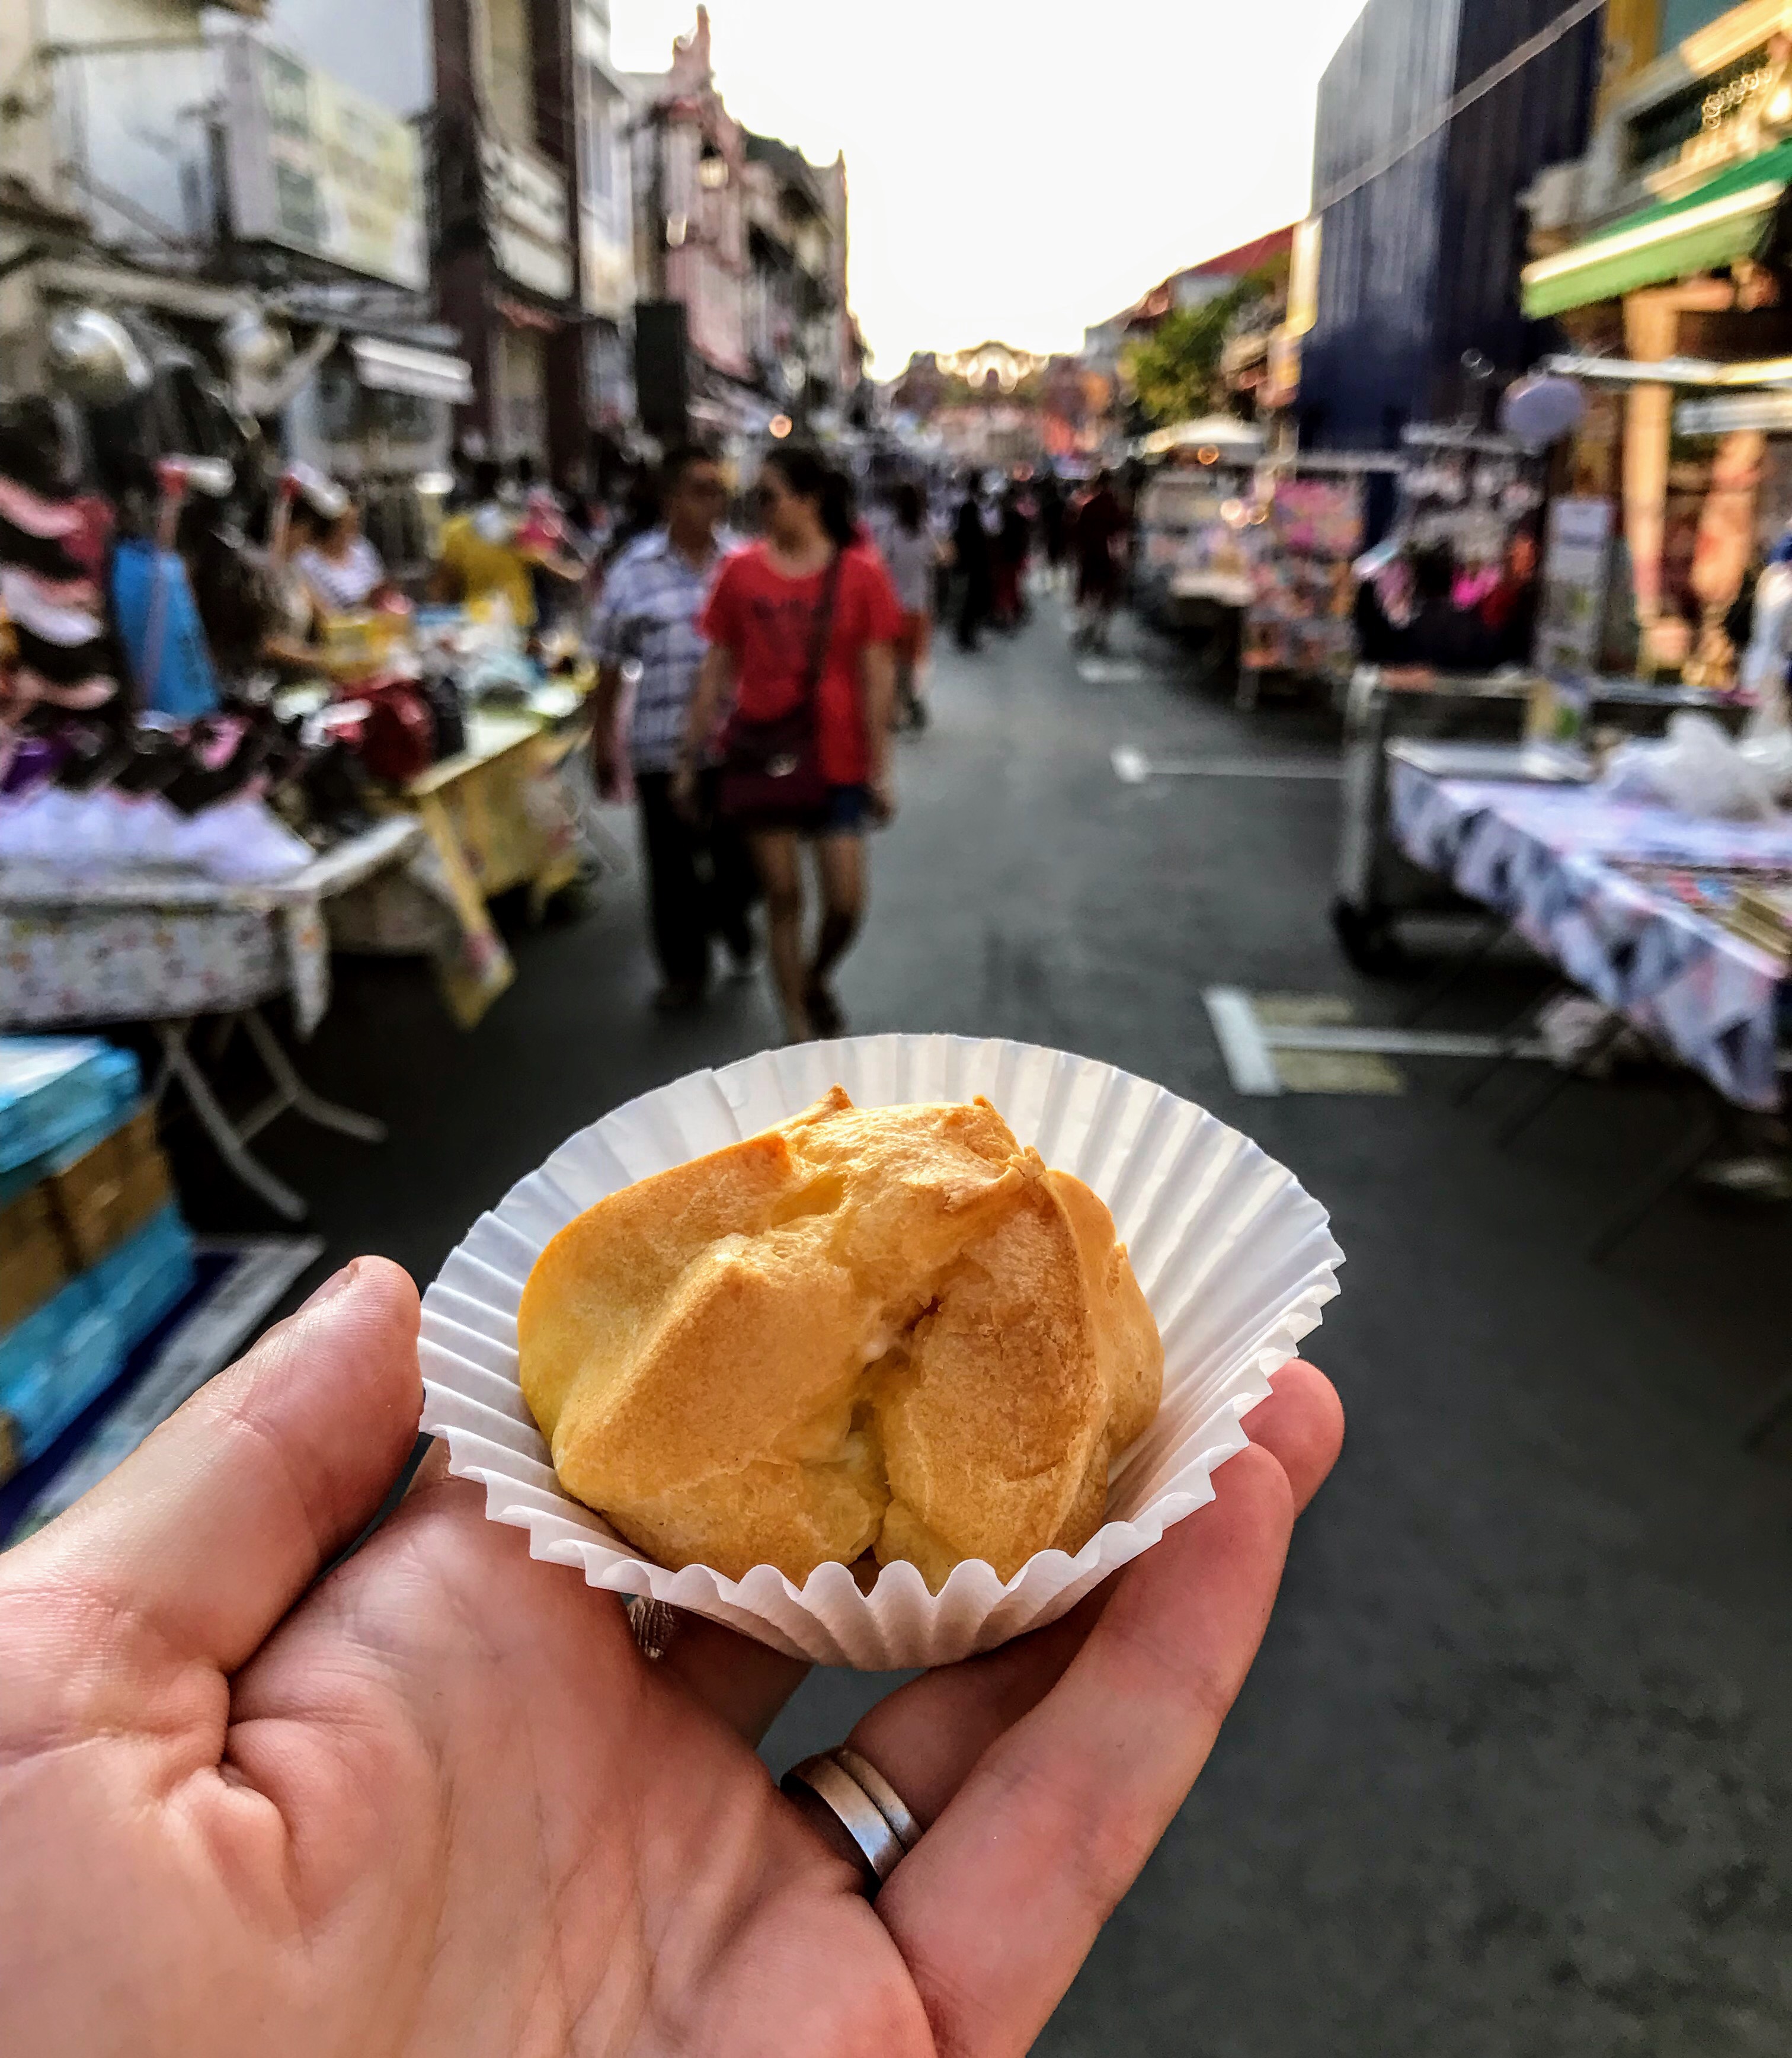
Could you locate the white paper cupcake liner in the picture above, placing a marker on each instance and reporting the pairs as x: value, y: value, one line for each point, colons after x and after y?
x: 1235, y: 1259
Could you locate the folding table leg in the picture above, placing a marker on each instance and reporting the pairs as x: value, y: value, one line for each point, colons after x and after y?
x: 298, y: 1096
x: 1673, y: 1169
x: 1512, y: 1037
x: 178, y: 1063
x: 1491, y: 932
x: 1562, y: 1078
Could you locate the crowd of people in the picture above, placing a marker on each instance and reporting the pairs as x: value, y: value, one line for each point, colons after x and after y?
x: 748, y: 691
x: 758, y: 643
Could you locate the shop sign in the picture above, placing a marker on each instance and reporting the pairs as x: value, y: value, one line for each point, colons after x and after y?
x: 317, y: 167
x: 1740, y: 115
x: 525, y: 206
x: 607, y: 272
x: 1727, y: 412
x: 1575, y: 561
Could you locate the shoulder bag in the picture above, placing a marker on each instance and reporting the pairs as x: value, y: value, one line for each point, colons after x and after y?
x: 774, y: 767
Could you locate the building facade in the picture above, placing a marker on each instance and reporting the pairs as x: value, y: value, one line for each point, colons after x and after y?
x: 249, y: 194
x: 1420, y: 227
x: 1668, y: 241
x: 746, y: 240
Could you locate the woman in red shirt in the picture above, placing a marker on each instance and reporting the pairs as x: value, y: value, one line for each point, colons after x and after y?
x: 803, y: 624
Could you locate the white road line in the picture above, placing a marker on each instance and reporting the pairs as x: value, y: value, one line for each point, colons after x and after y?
x: 1132, y: 767
x: 1249, y: 1044
x: 1392, y: 1042
x: 1239, y: 1035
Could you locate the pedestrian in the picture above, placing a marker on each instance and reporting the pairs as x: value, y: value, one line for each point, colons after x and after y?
x: 909, y: 556
x: 803, y: 627
x: 1049, y: 500
x: 1100, y: 528
x: 1013, y: 539
x: 700, y: 876
x: 341, y: 568
x: 479, y: 561
x: 971, y: 561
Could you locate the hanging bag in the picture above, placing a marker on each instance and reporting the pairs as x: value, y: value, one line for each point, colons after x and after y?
x: 774, y: 768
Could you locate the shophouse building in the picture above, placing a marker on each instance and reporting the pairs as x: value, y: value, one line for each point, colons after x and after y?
x: 1663, y: 254
x: 248, y: 190
x: 1434, y: 118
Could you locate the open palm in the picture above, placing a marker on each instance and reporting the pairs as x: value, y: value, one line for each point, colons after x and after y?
x: 437, y: 1803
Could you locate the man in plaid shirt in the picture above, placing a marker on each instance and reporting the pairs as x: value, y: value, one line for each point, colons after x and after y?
x: 699, y: 874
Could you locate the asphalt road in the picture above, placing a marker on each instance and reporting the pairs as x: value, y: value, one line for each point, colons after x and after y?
x: 1512, y: 1775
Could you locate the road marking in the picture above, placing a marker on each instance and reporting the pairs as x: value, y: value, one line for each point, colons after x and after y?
x: 1132, y: 767
x: 1110, y: 671
x: 1242, y: 1043
x: 1250, y: 1044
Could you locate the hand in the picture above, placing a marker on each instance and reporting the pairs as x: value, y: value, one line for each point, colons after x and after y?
x: 883, y: 799
x: 437, y: 1802
x: 685, y: 789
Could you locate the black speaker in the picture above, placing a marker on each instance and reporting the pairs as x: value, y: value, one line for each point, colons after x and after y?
x: 662, y: 369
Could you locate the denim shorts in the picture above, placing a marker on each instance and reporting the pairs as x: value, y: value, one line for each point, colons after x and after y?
x: 843, y: 813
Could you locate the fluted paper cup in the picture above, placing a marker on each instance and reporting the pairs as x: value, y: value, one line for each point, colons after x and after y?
x: 1235, y: 1259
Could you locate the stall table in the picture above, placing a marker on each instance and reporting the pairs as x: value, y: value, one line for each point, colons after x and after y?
x: 497, y: 816
x: 165, y: 948
x: 1561, y: 863
x: 1375, y: 882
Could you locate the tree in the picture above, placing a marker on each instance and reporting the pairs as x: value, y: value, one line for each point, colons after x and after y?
x: 1174, y: 372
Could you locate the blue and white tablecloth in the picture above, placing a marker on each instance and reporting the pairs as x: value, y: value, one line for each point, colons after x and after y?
x: 1544, y: 857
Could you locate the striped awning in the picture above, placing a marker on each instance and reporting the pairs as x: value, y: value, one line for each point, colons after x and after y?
x: 1728, y: 217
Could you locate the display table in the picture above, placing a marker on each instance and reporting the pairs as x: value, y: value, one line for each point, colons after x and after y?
x: 166, y: 947
x: 1552, y: 861
x: 1374, y: 882
x: 498, y: 815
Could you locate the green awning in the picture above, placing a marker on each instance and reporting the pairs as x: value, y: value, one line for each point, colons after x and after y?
x: 1729, y: 217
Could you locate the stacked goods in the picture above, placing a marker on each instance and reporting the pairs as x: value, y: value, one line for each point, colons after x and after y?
x: 93, y: 1253
x: 1763, y: 915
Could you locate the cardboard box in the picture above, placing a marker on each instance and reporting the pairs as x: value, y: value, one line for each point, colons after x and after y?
x: 33, y: 1260
x: 110, y: 1190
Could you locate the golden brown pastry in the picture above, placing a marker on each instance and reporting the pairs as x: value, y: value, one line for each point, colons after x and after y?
x: 884, y: 1329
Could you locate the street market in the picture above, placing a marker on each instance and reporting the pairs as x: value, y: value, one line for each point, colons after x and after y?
x: 696, y: 1013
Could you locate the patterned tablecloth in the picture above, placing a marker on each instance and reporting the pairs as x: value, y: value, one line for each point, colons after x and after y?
x: 149, y: 947
x: 1546, y: 858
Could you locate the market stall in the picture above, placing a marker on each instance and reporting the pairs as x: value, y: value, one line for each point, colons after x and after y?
x: 168, y: 945
x: 1375, y: 883
x: 1678, y: 925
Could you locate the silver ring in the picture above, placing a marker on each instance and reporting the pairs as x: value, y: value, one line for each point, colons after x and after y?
x: 882, y: 1835
x: 889, y: 1802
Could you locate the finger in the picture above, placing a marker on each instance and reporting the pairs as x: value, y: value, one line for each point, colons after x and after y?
x: 1302, y: 1425
x: 742, y: 1682
x: 925, y: 1736
x: 998, y: 1905
x: 208, y: 1533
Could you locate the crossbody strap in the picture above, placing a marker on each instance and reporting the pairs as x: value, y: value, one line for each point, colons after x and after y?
x: 821, y: 630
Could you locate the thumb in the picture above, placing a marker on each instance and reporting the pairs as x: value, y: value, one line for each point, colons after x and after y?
x: 210, y: 1532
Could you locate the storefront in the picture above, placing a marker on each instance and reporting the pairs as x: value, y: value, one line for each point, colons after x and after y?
x: 1662, y: 257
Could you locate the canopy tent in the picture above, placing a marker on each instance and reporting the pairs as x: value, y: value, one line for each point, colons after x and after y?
x: 1223, y: 433
x: 1728, y: 217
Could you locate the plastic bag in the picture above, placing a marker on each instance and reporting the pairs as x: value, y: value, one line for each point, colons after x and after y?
x: 1696, y: 769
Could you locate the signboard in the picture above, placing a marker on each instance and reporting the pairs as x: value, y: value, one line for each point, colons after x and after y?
x: 1301, y: 543
x: 1575, y: 559
x: 1728, y: 411
x: 526, y: 206
x: 317, y: 167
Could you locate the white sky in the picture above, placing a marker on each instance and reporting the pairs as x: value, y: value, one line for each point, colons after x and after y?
x: 1020, y: 168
